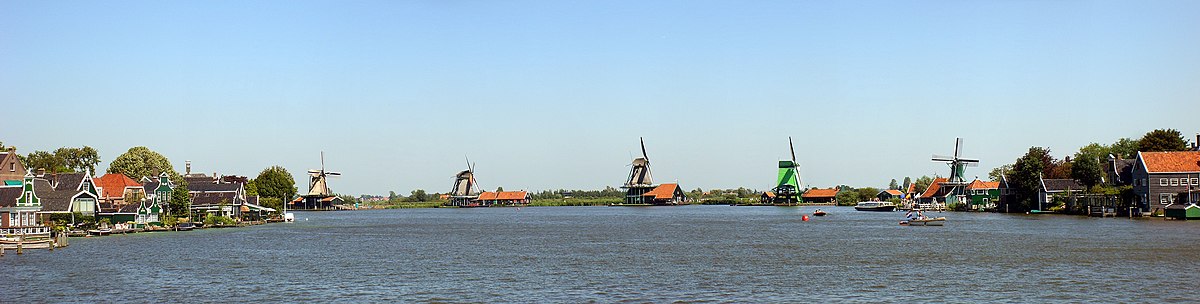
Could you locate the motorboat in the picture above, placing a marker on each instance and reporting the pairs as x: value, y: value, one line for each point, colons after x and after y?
x: 819, y: 213
x: 875, y: 206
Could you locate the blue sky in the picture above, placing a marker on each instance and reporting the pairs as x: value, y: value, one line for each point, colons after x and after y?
x: 554, y: 94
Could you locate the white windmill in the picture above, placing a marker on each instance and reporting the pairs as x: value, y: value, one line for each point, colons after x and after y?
x: 958, y: 164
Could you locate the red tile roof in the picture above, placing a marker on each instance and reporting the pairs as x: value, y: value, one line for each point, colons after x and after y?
x: 1183, y: 161
x: 769, y: 194
x: 978, y: 184
x: 814, y: 193
x: 912, y: 188
x: 664, y: 191
x: 114, y: 184
x: 934, y: 187
x: 502, y: 195
x: 894, y: 192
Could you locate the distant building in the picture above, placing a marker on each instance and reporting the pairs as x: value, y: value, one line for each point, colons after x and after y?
x: 982, y: 195
x: 504, y: 198
x: 935, y: 193
x: 118, y: 190
x: 665, y: 194
x: 1052, y: 187
x: 890, y: 194
x: 12, y: 171
x: 1160, y: 177
x: 19, y: 208
x: 68, y: 193
x: 820, y: 196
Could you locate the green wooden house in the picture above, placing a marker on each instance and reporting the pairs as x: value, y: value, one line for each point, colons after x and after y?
x: 982, y: 195
x: 153, y: 209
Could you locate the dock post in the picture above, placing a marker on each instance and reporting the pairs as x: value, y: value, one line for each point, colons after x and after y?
x: 20, y: 243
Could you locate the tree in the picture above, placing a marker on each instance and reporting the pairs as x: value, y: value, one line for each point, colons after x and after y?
x: 271, y: 202
x: 499, y: 189
x: 907, y: 181
x: 1162, y: 140
x: 45, y: 160
x: 1125, y: 148
x: 998, y: 173
x: 866, y: 194
x: 847, y: 196
x: 1026, y: 177
x: 140, y: 162
x: 181, y: 200
x: 275, y: 181
x: 893, y: 185
x: 1087, y: 170
x: 79, y: 159
x: 251, y: 188
x: 923, y: 182
x: 418, y: 196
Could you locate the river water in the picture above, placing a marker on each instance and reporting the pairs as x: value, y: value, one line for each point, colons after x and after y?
x: 625, y: 254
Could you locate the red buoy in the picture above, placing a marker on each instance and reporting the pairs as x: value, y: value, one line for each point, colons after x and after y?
x: 804, y: 218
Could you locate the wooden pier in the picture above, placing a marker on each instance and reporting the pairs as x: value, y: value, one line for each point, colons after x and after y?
x: 1101, y: 211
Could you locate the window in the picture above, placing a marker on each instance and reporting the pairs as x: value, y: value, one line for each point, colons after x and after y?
x: 1174, y: 182
x: 12, y: 167
x: 1195, y: 181
x: 1164, y: 198
x: 1145, y: 182
x: 1163, y: 182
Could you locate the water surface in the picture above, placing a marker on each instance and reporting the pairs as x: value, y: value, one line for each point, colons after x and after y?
x: 614, y: 254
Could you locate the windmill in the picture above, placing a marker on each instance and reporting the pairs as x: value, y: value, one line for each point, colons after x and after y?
x: 640, y: 180
x: 958, y: 164
x: 787, y: 185
x: 317, y: 180
x: 465, y: 188
x: 319, y: 195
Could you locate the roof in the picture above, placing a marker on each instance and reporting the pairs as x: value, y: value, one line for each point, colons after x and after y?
x: 9, y: 196
x: 812, y: 193
x: 215, y: 198
x: 65, y: 181
x: 892, y: 192
x: 978, y: 184
x: 934, y: 187
x: 1056, y: 185
x: 912, y: 188
x: 211, y: 187
x: 769, y: 194
x: 1165, y: 162
x: 114, y: 184
x: 503, y: 195
x: 53, y: 199
x: 664, y: 191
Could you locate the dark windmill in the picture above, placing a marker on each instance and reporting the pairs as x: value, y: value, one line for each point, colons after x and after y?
x: 955, y: 187
x: 787, y: 184
x: 639, y: 181
x: 466, y: 190
x: 319, y: 196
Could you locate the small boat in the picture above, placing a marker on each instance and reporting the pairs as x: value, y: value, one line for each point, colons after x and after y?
x: 104, y: 231
x: 289, y: 217
x: 185, y: 227
x: 875, y: 206
x: 819, y: 213
x: 940, y: 221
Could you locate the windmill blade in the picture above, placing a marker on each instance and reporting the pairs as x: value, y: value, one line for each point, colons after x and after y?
x: 322, y: 161
x: 793, y: 148
x: 314, y: 171
x: 333, y: 173
x: 957, y: 147
x: 942, y: 158
x: 643, y: 140
x: 968, y: 160
x: 971, y: 164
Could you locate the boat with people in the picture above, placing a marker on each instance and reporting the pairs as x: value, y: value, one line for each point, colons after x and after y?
x: 818, y: 212
x: 918, y: 218
x: 875, y: 206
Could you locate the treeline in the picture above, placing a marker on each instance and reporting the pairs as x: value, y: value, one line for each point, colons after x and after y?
x: 1086, y: 165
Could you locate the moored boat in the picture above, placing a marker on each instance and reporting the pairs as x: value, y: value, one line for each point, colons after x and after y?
x: 185, y: 226
x: 940, y: 221
x: 875, y: 206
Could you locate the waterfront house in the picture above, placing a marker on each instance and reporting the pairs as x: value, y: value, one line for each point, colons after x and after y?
x: 12, y: 171
x: 1119, y: 172
x: 935, y: 193
x: 767, y: 197
x: 68, y: 193
x: 117, y: 190
x: 154, y: 207
x: 19, y: 208
x: 1052, y: 187
x: 820, y: 196
x: 504, y: 198
x: 1159, y: 177
x: 665, y: 194
x: 217, y: 196
x: 982, y: 195
x: 890, y: 194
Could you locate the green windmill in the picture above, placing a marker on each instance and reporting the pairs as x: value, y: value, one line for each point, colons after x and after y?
x: 787, y: 185
x: 957, y: 184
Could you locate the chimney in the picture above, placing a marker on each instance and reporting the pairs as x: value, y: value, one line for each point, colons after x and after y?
x: 41, y: 172
x: 1196, y: 145
x: 187, y: 165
